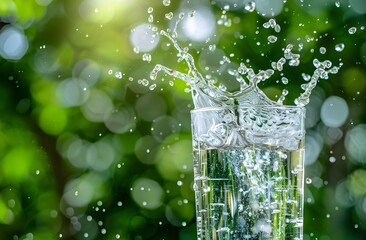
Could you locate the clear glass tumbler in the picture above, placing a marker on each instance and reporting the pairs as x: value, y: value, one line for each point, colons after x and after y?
x: 249, y: 172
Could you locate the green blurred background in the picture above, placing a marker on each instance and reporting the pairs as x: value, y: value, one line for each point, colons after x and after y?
x: 91, y: 148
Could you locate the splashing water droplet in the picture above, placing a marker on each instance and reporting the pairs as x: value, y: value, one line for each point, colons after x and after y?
x: 250, y: 7
x: 146, y: 57
x: 339, y: 47
x: 332, y: 159
x: 169, y: 15
x: 352, y: 30
x: 118, y: 75
x: 150, y: 18
x: 151, y: 87
x: 272, y: 39
x: 166, y: 3
x: 284, y: 80
x: 322, y: 50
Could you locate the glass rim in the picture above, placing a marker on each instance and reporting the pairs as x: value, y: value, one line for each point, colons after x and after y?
x: 280, y: 107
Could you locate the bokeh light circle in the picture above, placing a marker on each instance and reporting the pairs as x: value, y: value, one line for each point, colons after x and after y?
x: 355, y: 143
x: 146, y: 148
x: 98, y: 106
x: 269, y: 8
x: 334, y: 111
x: 97, y: 11
x: 100, y: 156
x: 151, y: 106
x: 199, y: 27
x: 72, y: 92
x: 143, y: 38
x: 13, y: 43
x: 147, y: 193
x: 121, y: 121
x: 359, y: 6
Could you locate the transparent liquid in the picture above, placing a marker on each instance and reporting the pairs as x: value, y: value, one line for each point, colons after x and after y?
x: 250, y: 193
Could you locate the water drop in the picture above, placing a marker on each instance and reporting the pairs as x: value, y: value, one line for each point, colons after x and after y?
x: 250, y: 7
x: 212, y: 47
x: 339, y: 47
x: 352, y: 30
x: 306, y: 77
x: 150, y: 19
x: 146, y: 57
x: 284, y: 80
x: 110, y: 71
x: 337, y: 4
x: 151, y: 88
x: 118, y: 75
x: 272, y: 39
x: 322, y: 50
x: 119, y: 203
x: 332, y: 159
x: 150, y: 10
x: 169, y: 15
x: 308, y: 181
x: 277, y: 28
x: 166, y: 3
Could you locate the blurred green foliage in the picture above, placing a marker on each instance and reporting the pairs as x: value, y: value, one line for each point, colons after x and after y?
x: 88, y: 152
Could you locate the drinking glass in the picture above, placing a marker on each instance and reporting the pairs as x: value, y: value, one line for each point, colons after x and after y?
x: 249, y: 172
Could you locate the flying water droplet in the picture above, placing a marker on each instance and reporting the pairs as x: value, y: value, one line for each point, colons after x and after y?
x: 284, y: 80
x: 250, y: 7
x: 272, y: 39
x: 118, y: 75
x: 146, y: 57
x: 150, y: 18
x: 166, y: 3
x: 339, y: 47
x: 322, y: 50
x: 352, y: 30
x: 169, y: 15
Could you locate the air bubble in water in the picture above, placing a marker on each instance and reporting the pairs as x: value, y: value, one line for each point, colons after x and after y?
x: 339, y: 47
x: 166, y: 3
x: 150, y: 10
x: 308, y: 181
x: 337, y: 4
x: 352, y: 30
